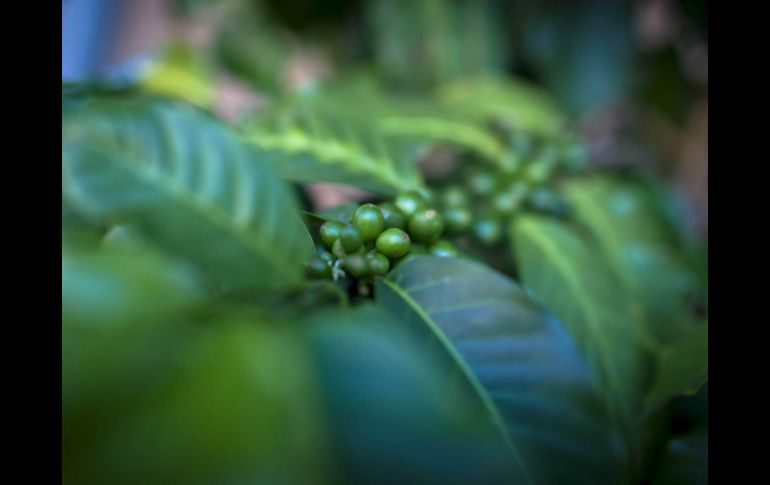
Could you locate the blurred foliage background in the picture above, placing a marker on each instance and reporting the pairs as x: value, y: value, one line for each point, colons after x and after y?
x: 191, y: 356
x: 632, y: 75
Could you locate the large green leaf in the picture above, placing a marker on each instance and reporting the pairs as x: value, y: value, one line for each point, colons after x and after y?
x: 515, y: 102
x: 635, y: 238
x: 239, y: 404
x: 517, y: 360
x: 113, y: 306
x: 570, y: 277
x: 311, y: 142
x: 189, y: 185
x: 395, y: 415
x: 682, y: 367
x: 341, y: 397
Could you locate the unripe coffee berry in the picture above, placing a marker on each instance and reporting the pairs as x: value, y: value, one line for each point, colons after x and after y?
x: 443, y: 249
x: 409, y: 202
x: 369, y: 221
x: 455, y: 196
x: 487, y: 230
x: 351, y: 239
x: 426, y: 226
x: 392, y: 216
x: 379, y: 264
x: 330, y: 232
x: 318, y: 268
x: 356, y: 265
x: 457, y: 220
x: 393, y: 243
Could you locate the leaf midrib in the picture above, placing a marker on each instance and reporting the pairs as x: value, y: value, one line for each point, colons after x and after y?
x: 213, y: 213
x: 584, y: 301
x: 382, y: 171
x: 486, y: 399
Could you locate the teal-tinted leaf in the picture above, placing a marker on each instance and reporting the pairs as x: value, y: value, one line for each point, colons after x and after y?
x: 396, y: 416
x: 189, y: 185
x: 686, y: 460
x: 643, y: 253
x: 517, y: 360
x: 682, y: 367
x: 571, y: 278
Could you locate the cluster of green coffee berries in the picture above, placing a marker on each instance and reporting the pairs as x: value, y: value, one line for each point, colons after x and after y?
x: 380, y: 236
x: 488, y: 198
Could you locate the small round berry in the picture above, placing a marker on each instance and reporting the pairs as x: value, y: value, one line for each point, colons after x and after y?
x: 392, y: 216
x: 455, y: 196
x: 356, y: 265
x: 317, y: 268
x: 378, y: 263
x: 482, y: 183
x: 409, y: 202
x: 351, y: 239
x: 330, y: 232
x: 426, y: 226
x: 487, y: 230
x: 537, y: 173
x: 457, y: 220
x: 443, y: 249
x: 324, y: 255
x: 369, y: 221
x: 393, y: 243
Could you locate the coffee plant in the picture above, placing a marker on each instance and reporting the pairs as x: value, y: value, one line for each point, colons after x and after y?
x: 491, y: 309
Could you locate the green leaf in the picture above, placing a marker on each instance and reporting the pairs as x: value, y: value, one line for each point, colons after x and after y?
x: 444, y: 129
x: 240, y: 404
x: 515, y: 102
x: 189, y: 185
x: 636, y: 240
x: 396, y: 415
x: 570, y: 277
x: 116, y: 311
x: 114, y: 290
x: 682, y: 368
x: 313, y: 143
x: 517, y: 360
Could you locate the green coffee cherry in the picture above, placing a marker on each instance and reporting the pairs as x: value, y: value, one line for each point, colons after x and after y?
x: 356, y: 265
x: 455, y: 196
x: 426, y: 226
x: 330, y: 232
x: 547, y: 200
x: 487, y: 230
x: 538, y: 172
x: 457, y: 220
x: 324, y: 255
x: 369, y: 221
x: 351, y: 239
x: 409, y: 202
x: 392, y: 216
x: 379, y: 264
x: 318, y: 268
x: 482, y: 183
x: 393, y: 243
x: 443, y: 249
